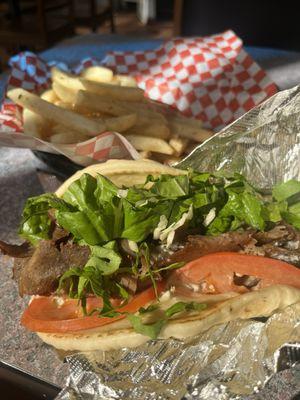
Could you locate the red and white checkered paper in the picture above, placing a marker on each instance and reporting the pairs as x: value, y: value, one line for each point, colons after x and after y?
x: 210, y: 78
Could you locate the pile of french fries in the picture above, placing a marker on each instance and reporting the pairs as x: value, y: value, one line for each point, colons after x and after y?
x: 77, y: 108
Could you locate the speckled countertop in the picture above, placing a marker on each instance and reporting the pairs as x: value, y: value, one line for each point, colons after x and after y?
x: 18, y: 347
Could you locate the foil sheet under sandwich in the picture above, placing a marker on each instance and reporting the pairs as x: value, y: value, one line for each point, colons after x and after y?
x: 243, y: 359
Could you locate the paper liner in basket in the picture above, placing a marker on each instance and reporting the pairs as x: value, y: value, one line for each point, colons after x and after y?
x: 210, y: 78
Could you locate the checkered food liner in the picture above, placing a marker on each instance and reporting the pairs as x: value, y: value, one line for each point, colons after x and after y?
x: 210, y: 78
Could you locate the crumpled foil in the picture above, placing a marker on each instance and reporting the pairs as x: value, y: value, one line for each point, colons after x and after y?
x: 242, y: 359
x: 263, y: 144
x: 228, y: 361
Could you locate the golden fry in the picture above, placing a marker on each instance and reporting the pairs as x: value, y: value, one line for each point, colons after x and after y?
x: 93, y: 101
x: 97, y: 74
x: 190, y: 132
x: 125, y: 80
x: 64, y: 93
x: 56, y: 114
x: 154, y: 130
x: 146, y: 143
x: 112, y: 91
x: 33, y: 124
x: 67, y: 80
x: 165, y: 158
x: 61, y: 136
x: 179, y: 144
x: 49, y: 95
x: 120, y: 124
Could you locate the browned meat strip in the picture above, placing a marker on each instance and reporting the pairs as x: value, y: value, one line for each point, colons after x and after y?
x: 197, y: 246
x: 281, y: 243
x: 16, y: 250
x: 280, y: 253
x: 280, y: 234
x: 39, y: 274
x: 74, y: 255
x: 129, y: 282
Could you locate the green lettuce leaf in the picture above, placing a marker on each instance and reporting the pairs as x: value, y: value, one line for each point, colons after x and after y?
x: 99, y: 213
x: 35, y: 224
x: 285, y: 190
x: 291, y: 218
x: 181, y: 306
x: 140, y: 222
x: 171, y: 186
x: 105, y: 258
x: 242, y: 207
x: 151, y: 330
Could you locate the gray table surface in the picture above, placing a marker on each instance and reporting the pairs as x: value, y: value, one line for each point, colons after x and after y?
x: 18, y: 180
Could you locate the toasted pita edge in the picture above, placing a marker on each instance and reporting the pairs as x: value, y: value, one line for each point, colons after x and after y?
x: 261, y: 303
x: 123, y: 172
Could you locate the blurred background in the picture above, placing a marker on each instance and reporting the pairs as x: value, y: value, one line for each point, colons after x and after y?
x: 39, y: 24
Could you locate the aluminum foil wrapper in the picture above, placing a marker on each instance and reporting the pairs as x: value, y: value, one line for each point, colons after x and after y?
x: 243, y: 359
x: 229, y: 361
x: 263, y: 144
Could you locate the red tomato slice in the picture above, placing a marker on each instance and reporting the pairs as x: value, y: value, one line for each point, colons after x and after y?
x: 44, y: 314
x: 214, y: 273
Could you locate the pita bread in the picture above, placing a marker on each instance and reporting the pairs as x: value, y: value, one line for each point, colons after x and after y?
x: 123, y: 172
x: 261, y: 303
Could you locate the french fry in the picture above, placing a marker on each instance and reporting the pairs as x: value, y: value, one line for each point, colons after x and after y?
x: 190, y: 132
x: 112, y: 91
x: 114, y: 107
x: 154, y: 130
x: 125, y: 80
x: 120, y: 124
x: 56, y: 114
x: 62, y: 104
x: 49, y: 95
x: 97, y: 74
x: 64, y: 93
x: 165, y: 159
x: 33, y: 124
x: 61, y: 135
x: 146, y: 143
x: 179, y: 144
x: 143, y: 108
x: 80, y: 110
x: 196, y: 123
x: 67, y: 80
x: 104, y: 89
x: 95, y: 102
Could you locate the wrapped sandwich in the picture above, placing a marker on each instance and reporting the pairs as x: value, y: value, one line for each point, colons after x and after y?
x: 129, y: 251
